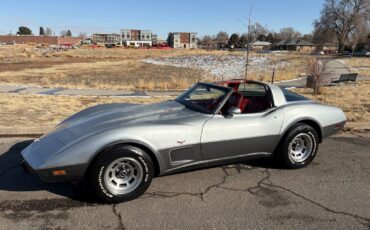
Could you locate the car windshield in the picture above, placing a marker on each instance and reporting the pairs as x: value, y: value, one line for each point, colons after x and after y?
x: 204, y: 98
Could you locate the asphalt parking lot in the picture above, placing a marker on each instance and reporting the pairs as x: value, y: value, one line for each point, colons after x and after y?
x: 332, y: 192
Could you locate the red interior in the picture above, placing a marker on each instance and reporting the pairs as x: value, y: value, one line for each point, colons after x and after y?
x: 247, y: 104
x: 236, y: 100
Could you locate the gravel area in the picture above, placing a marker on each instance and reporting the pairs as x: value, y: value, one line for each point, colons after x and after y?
x: 226, y: 67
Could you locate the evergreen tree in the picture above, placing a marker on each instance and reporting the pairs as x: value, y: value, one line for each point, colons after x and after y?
x: 23, y: 30
x: 42, y: 31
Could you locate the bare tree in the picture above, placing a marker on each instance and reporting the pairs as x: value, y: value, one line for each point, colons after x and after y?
x: 322, y: 34
x: 48, y: 32
x: 288, y: 33
x: 222, y: 38
x: 340, y: 16
x: 257, y: 31
x: 316, y: 70
x: 207, y: 42
x: 63, y: 33
x: 358, y: 34
x: 66, y: 33
x: 82, y: 35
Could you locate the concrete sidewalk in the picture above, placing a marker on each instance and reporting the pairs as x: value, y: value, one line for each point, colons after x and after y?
x: 86, y: 92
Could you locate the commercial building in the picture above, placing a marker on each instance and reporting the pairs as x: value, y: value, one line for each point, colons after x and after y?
x: 183, y: 40
x: 136, y: 38
x: 31, y: 39
x: 108, y: 39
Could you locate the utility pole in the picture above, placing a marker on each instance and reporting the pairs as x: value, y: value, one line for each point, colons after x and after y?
x: 248, y: 46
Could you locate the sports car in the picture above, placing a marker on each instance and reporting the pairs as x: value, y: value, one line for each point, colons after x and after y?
x: 118, y: 148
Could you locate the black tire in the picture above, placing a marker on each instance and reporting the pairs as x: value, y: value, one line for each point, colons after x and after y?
x: 283, y: 154
x: 100, y: 166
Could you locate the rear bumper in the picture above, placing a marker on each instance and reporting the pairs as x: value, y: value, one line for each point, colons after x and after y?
x: 332, y: 129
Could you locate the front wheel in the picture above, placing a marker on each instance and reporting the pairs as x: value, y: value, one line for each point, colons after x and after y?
x: 121, y: 173
x: 299, y: 147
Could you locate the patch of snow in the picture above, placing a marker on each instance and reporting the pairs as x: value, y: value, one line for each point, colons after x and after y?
x: 226, y: 67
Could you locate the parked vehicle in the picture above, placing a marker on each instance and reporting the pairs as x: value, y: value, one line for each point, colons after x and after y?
x: 119, y: 148
x: 318, y: 52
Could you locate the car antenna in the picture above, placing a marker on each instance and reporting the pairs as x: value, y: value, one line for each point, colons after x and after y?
x: 248, y: 46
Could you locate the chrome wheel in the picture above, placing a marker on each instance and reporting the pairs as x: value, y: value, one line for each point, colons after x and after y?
x: 300, y: 148
x: 123, y: 175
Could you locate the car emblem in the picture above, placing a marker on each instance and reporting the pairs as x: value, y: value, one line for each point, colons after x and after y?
x: 181, y: 142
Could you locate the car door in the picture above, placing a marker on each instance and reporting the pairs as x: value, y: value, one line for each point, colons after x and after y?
x: 241, y: 134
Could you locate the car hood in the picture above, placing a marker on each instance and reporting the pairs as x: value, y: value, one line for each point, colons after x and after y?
x: 110, y: 116
x: 102, y: 118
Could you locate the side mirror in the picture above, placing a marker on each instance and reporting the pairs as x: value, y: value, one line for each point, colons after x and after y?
x: 233, y: 110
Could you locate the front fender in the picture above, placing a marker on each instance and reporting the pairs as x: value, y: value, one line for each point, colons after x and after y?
x: 82, y: 152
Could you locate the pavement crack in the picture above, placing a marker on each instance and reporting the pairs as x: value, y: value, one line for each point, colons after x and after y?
x: 362, y: 220
x: 121, y: 226
x: 200, y: 195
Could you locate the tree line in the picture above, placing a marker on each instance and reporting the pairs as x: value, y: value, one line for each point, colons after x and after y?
x: 257, y: 32
x: 345, y: 23
x: 24, y: 30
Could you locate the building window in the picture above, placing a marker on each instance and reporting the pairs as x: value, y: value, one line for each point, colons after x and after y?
x: 147, y: 37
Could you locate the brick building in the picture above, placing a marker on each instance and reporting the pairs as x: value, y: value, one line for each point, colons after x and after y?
x: 136, y: 38
x: 106, y: 38
x: 182, y: 40
x: 31, y: 39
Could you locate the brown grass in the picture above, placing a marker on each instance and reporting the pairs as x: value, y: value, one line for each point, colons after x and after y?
x: 360, y: 65
x: 28, y: 53
x: 127, y: 74
x: 120, y: 68
x: 22, y: 110
x: 354, y: 100
x: 295, y: 66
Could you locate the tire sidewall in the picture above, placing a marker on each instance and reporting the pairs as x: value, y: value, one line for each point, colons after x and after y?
x: 100, y: 167
x: 294, y: 131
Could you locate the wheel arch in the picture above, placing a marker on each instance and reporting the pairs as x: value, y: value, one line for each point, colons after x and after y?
x: 308, y: 121
x: 147, y: 149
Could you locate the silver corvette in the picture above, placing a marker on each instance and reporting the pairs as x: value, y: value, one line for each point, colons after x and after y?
x: 119, y: 148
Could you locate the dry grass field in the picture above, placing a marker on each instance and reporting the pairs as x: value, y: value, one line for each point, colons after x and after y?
x: 354, y: 100
x: 124, y: 68
x: 25, y: 110
x: 360, y: 65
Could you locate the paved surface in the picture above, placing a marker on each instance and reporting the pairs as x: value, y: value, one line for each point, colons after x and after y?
x: 333, y: 68
x: 332, y: 193
x: 86, y: 92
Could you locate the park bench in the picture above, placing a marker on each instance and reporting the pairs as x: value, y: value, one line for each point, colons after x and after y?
x: 347, y: 78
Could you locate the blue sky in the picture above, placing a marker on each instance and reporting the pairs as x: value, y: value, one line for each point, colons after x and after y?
x: 161, y: 16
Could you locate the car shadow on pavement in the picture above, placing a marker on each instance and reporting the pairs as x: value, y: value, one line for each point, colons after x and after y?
x: 14, y: 178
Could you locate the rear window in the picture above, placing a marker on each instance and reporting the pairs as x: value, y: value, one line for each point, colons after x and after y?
x: 290, y: 96
x: 250, y: 87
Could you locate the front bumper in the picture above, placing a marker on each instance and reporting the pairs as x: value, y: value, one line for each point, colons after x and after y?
x: 74, y: 173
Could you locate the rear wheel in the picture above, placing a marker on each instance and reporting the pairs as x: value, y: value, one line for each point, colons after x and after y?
x: 121, y: 173
x: 299, y: 147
